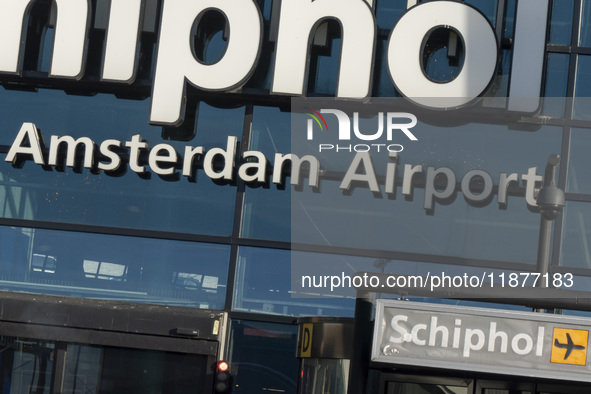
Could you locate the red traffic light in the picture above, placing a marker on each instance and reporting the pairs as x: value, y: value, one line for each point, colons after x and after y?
x: 223, y: 366
x: 223, y: 378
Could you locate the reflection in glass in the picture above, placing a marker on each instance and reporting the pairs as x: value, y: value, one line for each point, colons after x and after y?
x: 109, y: 370
x: 487, y: 7
x: 443, y: 55
x: 113, y: 267
x: 115, y: 199
x: 388, y: 12
x: 324, y: 376
x: 101, y: 116
x: 82, y: 369
x: 25, y: 365
x: 266, y: 213
x: 266, y: 209
x: 262, y: 357
x: 496, y: 94
x: 454, y: 228
x: 325, y: 55
x: 209, y: 44
x: 561, y: 22
x: 401, y: 219
x: 383, y: 86
x: 575, y: 249
x: 423, y: 388
x: 579, y: 162
x: 260, y: 81
x: 504, y: 387
x: 463, y: 146
x: 294, y: 283
x: 263, y: 284
x: 585, y: 36
x: 556, y: 84
x: 510, y: 9
x: 556, y: 75
x: 46, y: 49
x: 582, y: 105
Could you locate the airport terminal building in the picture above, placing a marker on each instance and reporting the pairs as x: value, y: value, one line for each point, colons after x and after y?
x: 181, y: 181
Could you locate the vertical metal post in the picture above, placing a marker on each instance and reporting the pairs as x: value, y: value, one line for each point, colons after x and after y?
x: 362, y: 339
x: 59, y: 367
x: 543, y: 250
x: 550, y: 201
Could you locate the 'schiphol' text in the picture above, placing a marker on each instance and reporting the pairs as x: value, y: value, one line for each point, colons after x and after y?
x: 467, y: 339
x: 296, y: 21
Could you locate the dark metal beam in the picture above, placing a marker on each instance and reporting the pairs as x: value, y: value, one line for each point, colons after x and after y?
x: 534, y: 297
x: 109, y: 316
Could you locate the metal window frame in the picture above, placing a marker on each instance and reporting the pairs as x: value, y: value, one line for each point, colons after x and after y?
x: 236, y: 241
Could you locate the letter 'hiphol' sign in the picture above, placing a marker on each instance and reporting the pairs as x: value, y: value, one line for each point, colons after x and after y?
x: 297, y: 20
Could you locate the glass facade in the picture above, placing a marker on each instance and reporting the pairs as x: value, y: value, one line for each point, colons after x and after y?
x: 28, y: 366
x: 113, y: 267
x: 187, y: 239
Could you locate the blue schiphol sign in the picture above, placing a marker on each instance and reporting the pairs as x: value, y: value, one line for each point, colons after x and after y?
x: 484, y: 340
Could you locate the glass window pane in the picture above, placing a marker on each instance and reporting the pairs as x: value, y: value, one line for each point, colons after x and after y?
x: 576, y: 235
x: 31, y: 193
x: 561, y: 23
x: 267, y: 209
x: 209, y: 44
x: 453, y: 229
x: 404, y: 220
x: 46, y: 49
x: 101, y: 117
x: 556, y: 83
x: 487, y: 7
x: 383, y: 86
x: 423, y: 388
x: 266, y: 214
x: 216, y: 48
x: 104, y: 370
x: 556, y: 75
x: 263, y: 285
x: 503, y: 387
x: 495, y: 95
x: 114, y: 267
x: 325, y: 55
x: 575, y: 282
x: 509, y: 23
x: 271, y: 131
x: 260, y: 81
x: 295, y: 283
x: 582, y: 104
x: 121, y: 198
x: 323, y: 375
x: 26, y: 365
x: 579, y: 162
x: 388, y: 12
x: 462, y: 146
x: 558, y: 388
x: 262, y: 356
x: 585, y: 36
x: 436, y: 61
